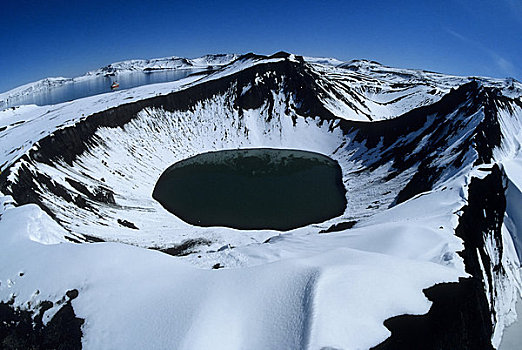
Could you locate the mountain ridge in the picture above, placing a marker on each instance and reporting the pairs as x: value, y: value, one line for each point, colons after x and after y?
x: 208, y: 61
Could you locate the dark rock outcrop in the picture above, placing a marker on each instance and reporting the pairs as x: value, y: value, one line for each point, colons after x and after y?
x: 22, y: 329
x: 460, y: 317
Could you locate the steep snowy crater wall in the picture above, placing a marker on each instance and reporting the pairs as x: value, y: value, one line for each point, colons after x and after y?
x: 302, y: 288
x: 129, y: 160
x: 101, y: 188
x: 105, y: 192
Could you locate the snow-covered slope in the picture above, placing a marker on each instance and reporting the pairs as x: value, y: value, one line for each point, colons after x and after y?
x: 429, y: 227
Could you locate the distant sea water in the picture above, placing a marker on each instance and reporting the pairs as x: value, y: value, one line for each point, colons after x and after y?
x: 96, y: 85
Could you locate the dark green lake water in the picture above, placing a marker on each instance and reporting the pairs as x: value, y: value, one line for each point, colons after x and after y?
x: 253, y: 189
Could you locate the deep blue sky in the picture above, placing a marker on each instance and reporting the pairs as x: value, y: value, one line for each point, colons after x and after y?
x: 67, y: 38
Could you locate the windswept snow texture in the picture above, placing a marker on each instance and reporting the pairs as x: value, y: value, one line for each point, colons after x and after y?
x: 410, y: 145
